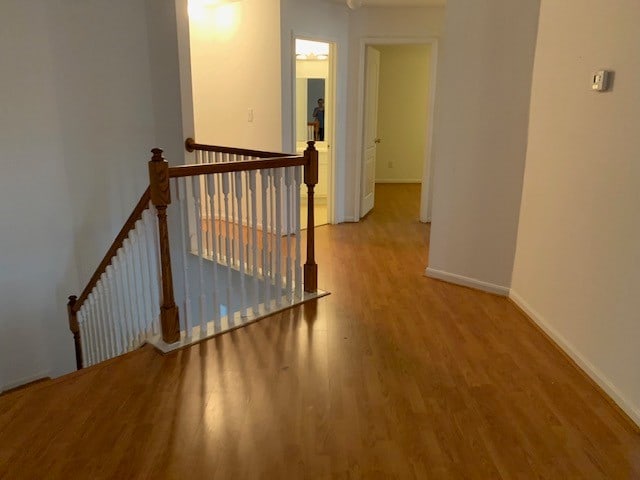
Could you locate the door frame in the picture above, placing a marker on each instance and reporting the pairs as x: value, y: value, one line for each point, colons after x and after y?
x: 427, y: 170
x: 331, y: 89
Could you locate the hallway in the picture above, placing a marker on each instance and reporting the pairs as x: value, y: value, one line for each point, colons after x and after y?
x: 394, y: 375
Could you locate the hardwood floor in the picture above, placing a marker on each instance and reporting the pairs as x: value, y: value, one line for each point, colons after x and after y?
x: 394, y: 375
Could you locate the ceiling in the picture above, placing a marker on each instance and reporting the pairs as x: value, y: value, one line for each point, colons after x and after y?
x: 399, y: 3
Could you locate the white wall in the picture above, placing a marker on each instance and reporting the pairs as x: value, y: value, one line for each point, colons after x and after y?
x: 35, y: 209
x: 402, y: 112
x: 235, y: 54
x: 77, y: 122
x: 328, y: 22
x: 376, y: 22
x: 577, y: 265
x: 480, y: 138
x: 169, y: 60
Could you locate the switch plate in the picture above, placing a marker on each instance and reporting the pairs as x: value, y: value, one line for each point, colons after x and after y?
x: 250, y: 115
x: 600, y: 81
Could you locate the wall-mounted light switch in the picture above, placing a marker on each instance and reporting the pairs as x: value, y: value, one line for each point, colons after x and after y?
x: 600, y: 81
x: 250, y: 115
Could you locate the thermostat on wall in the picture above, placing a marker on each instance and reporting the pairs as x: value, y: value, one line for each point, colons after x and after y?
x: 600, y: 81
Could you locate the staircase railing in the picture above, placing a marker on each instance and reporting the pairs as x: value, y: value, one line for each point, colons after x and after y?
x: 239, y: 243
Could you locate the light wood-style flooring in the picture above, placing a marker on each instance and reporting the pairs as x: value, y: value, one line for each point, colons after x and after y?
x: 394, y: 375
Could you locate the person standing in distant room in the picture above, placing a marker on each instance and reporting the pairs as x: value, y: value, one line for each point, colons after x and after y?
x: 318, y: 117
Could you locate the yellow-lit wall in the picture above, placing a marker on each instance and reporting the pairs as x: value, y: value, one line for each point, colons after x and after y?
x: 402, y: 112
x: 235, y: 55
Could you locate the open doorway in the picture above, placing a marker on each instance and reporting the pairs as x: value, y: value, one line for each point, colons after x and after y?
x: 398, y: 91
x: 314, y: 114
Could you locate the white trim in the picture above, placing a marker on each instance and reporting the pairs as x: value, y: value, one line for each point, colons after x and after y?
x: 426, y: 195
x: 236, y: 321
x: 590, y: 369
x: 401, y: 180
x: 332, y: 89
x: 25, y: 380
x: 425, y: 210
x: 467, y: 281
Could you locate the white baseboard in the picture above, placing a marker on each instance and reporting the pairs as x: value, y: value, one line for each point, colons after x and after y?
x: 590, y: 369
x: 467, y: 281
x: 23, y: 381
x: 349, y: 219
x: 402, y: 180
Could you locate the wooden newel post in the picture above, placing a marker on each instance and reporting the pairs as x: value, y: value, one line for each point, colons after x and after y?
x: 310, y: 180
x: 75, y: 329
x: 161, y: 198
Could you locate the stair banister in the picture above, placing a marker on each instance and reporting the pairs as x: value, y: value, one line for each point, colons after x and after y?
x: 75, y: 303
x: 161, y: 198
x: 130, y: 297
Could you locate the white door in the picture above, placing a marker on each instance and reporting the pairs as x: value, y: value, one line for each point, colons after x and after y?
x: 370, y: 139
x: 314, y: 75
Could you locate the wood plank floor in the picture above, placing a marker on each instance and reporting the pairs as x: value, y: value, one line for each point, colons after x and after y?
x: 394, y: 375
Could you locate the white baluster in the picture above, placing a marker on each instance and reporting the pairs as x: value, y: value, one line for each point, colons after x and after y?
x: 278, y: 238
x: 237, y: 176
x: 195, y: 185
x: 181, y: 189
x: 123, y: 300
x: 91, y: 344
x: 225, y: 192
x: 106, y: 308
x: 220, y: 159
x: 115, y: 318
x: 234, y: 251
x: 87, y: 340
x: 112, y: 311
x: 139, y: 282
x: 206, y: 215
x: 94, y: 328
x: 144, y: 275
x: 214, y: 253
x: 104, y: 316
x: 247, y: 216
x: 151, y: 228
x: 136, y: 321
x: 148, y: 280
x: 210, y: 209
x: 83, y: 338
x: 126, y: 291
x: 101, y: 322
x: 296, y: 209
x: 264, y: 177
x: 254, y: 241
x: 289, y: 204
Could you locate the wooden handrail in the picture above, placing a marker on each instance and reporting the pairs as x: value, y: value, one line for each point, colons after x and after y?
x: 136, y: 215
x: 159, y: 194
x: 244, y: 165
x: 191, y: 145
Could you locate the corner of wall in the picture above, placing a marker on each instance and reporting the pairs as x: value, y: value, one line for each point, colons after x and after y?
x: 581, y: 361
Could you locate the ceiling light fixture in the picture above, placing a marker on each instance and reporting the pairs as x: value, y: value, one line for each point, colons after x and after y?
x: 310, y: 50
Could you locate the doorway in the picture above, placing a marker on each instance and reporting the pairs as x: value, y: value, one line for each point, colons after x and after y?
x: 314, y: 114
x: 398, y: 86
